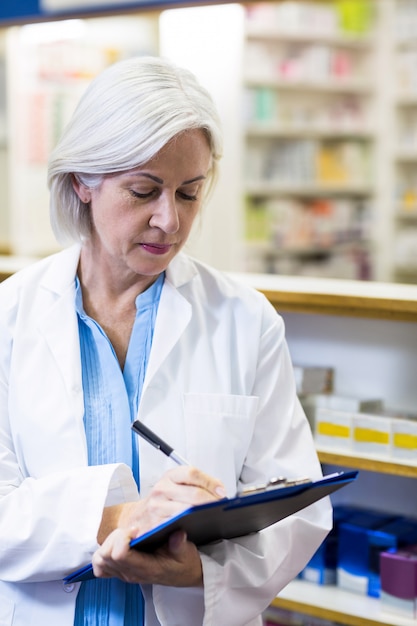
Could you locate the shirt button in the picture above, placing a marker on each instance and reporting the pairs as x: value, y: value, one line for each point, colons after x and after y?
x: 68, y: 587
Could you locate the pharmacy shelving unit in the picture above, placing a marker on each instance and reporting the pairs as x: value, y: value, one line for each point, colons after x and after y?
x: 405, y: 168
x: 394, y: 308
x: 308, y: 141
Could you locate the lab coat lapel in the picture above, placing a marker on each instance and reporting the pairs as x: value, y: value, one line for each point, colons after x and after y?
x: 58, y: 324
x: 62, y: 339
x: 174, y: 313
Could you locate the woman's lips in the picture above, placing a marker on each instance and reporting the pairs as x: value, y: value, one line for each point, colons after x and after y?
x: 156, y: 248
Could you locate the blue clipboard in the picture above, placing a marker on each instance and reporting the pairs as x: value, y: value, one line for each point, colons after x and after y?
x: 230, y: 518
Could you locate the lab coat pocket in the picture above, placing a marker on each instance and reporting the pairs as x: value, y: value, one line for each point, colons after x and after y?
x: 219, y: 429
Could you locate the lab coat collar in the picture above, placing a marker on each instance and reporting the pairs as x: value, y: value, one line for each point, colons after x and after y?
x: 60, y: 275
x: 174, y: 312
x: 180, y: 271
x: 61, y: 272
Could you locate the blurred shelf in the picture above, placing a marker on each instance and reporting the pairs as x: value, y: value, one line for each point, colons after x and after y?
x: 271, y: 130
x: 355, y: 42
x: 332, y: 603
x: 368, y: 463
x: 270, y: 188
x: 326, y: 296
x: 406, y: 99
x: 406, y: 270
x: 312, y: 251
x: 324, y: 86
x: 9, y: 264
x: 406, y: 214
x: 406, y: 156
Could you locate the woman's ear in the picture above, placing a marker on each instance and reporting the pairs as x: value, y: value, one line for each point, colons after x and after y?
x: 81, y: 190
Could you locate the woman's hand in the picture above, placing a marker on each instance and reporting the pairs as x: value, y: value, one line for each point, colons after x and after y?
x: 178, y: 563
x: 176, y: 491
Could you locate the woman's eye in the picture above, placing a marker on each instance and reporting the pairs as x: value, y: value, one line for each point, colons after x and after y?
x: 152, y: 193
x: 141, y: 194
x: 188, y: 196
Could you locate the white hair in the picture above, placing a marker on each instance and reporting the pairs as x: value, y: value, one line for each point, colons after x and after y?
x: 128, y: 113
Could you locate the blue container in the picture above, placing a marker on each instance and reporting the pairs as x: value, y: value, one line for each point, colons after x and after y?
x: 354, y: 548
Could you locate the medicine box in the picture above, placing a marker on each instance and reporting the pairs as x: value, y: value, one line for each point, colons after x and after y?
x: 371, y: 434
x: 404, y: 439
x: 343, y: 403
x: 399, y: 581
x: 394, y: 535
x: 313, y: 379
x: 354, y: 549
x: 313, y: 402
x: 333, y: 429
x: 322, y: 567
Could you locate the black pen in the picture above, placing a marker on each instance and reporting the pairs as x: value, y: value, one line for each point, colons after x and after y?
x: 157, y: 442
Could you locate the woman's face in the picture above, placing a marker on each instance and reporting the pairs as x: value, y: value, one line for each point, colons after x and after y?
x: 142, y: 218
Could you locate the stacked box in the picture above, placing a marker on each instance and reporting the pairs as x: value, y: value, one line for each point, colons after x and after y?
x: 322, y: 567
x: 399, y: 581
x: 371, y: 434
x: 313, y: 379
x: 362, y: 539
x: 332, y: 428
x: 343, y: 406
x: 404, y: 439
x: 354, y: 549
x: 394, y: 535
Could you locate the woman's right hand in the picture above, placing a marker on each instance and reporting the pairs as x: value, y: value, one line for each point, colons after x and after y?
x: 177, y: 490
x: 178, y: 562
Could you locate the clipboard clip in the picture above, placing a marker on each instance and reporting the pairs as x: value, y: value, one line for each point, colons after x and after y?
x: 276, y: 482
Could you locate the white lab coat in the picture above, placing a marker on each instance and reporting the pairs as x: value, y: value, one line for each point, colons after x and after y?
x: 219, y: 387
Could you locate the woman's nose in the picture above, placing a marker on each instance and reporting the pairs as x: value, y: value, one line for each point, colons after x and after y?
x: 165, y: 215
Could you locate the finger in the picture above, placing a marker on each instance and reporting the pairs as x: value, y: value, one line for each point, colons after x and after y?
x: 177, y: 542
x: 114, y: 550
x: 194, y: 477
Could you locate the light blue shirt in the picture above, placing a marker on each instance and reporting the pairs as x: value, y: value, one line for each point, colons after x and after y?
x: 111, y: 399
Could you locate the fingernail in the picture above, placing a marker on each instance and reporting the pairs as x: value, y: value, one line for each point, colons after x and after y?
x: 221, y: 491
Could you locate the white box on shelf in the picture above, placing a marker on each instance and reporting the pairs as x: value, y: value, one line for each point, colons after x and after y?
x: 333, y: 428
x: 312, y: 402
x: 313, y: 379
x: 404, y: 439
x: 371, y: 434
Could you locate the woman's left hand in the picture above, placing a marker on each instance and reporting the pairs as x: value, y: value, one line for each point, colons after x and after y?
x: 176, y: 564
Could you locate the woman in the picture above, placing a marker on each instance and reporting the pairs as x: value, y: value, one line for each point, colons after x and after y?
x: 120, y: 325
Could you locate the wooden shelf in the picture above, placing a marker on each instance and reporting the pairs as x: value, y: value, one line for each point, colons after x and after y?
x: 406, y: 273
x: 407, y: 99
x: 329, y: 86
x: 371, y: 464
x: 273, y: 252
x: 269, y: 129
x: 325, y: 296
x: 406, y: 156
x: 406, y: 214
x: 332, y: 603
x: 264, y: 188
x: 253, y: 31
x: 9, y: 264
